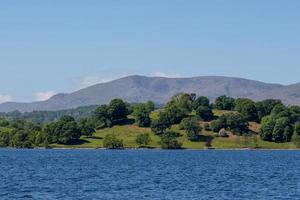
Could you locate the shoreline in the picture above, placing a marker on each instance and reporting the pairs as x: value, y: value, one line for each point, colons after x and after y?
x: 153, y: 149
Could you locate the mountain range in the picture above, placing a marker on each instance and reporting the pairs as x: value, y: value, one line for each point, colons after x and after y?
x: 160, y: 89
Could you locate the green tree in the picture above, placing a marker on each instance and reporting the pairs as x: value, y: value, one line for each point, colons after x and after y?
x: 112, y: 142
x: 236, y: 123
x: 281, y: 131
x: 179, y: 107
x: 142, y: 115
x: 217, y: 125
x: 175, y: 113
x: 233, y: 122
x: 201, y: 101
x: 117, y: 110
x: 4, y: 139
x: 4, y: 122
x: 169, y: 140
x: 160, y: 125
x: 143, y: 139
x: 20, y: 139
x: 296, y: 135
x: 205, y: 113
x: 39, y: 138
x: 101, y: 117
x: 266, y: 129
x: 247, y: 108
x: 224, y: 103
x: 64, y: 131
x: 86, y: 127
x: 192, y: 128
x: 265, y: 107
x: 150, y: 106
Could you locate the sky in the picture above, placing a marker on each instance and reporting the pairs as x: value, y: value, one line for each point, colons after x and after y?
x: 49, y: 47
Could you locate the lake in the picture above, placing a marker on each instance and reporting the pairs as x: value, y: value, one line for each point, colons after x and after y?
x: 149, y: 174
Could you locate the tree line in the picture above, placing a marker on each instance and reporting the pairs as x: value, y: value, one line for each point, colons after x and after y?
x: 279, y: 123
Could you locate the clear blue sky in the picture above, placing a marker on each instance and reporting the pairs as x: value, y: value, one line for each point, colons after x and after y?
x: 62, y: 45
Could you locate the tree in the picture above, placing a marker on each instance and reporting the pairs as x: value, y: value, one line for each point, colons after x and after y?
x: 279, y: 110
x: 64, y: 131
x: 142, y: 115
x: 4, y: 139
x: 233, y: 122
x: 282, y: 132
x: 39, y: 138
x: 102, y: 117
x: 265, y: 107
x: 183, y: 101
x: 20, y: 139
x: 266, y: 129
x: 224, y: 103
x: 192, y: 128
x: 201, y: 101
x: 236, y: 123
x: 296, y: 135
x: 86, y: 127
x: 143, y: 139
x: 117, y: 110
x: 247, y: 108
x: 179, y: 107
x: 112, y: 142
x: 169, y: 140
x: 4, y: 122
x: 150, y: 106
x: 205, y: 113
x: 160, y: 125
x: 217, y: 125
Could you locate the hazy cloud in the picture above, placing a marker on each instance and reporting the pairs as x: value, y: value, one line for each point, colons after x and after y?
x: 86, y: 81
x: 5, y: 98
x: 100, y: 77
x: 43, y: 96
x: 162, y: 74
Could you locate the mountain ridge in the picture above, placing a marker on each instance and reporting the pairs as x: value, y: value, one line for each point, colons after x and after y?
x: 159, y: 89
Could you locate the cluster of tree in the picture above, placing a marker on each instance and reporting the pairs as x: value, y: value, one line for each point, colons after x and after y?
x: 177, y: 111
x: 233, y: 122
x: 43, y: 117
x: 281, y: 124
x: 24, y: 134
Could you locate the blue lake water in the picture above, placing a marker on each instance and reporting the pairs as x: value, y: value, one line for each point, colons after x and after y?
x: 149, y: 174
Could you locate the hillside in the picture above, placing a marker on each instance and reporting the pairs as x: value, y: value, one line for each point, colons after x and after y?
x: 159, y: 90
x: 128, y: 134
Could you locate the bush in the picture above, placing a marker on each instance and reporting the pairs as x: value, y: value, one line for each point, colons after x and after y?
x: 169, y: 140
x: 112, y: 142
x: 143, y: 139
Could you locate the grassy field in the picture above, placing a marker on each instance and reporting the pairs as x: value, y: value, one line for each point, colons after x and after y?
x: 128, y: 134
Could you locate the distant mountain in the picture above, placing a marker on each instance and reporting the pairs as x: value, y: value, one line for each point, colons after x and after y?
x: 159, y: 90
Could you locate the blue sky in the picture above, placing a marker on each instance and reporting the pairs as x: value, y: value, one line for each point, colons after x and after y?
x: 55, y: 46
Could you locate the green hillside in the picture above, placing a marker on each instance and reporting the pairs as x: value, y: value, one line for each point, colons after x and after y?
x: 128, y: 134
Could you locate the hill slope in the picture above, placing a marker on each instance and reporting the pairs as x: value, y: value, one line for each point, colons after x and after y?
x: 159, y: 90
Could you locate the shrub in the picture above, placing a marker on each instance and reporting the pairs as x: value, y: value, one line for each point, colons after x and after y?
x: 169, y: 140
x: 112, y: 142
x: 143, y: 139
